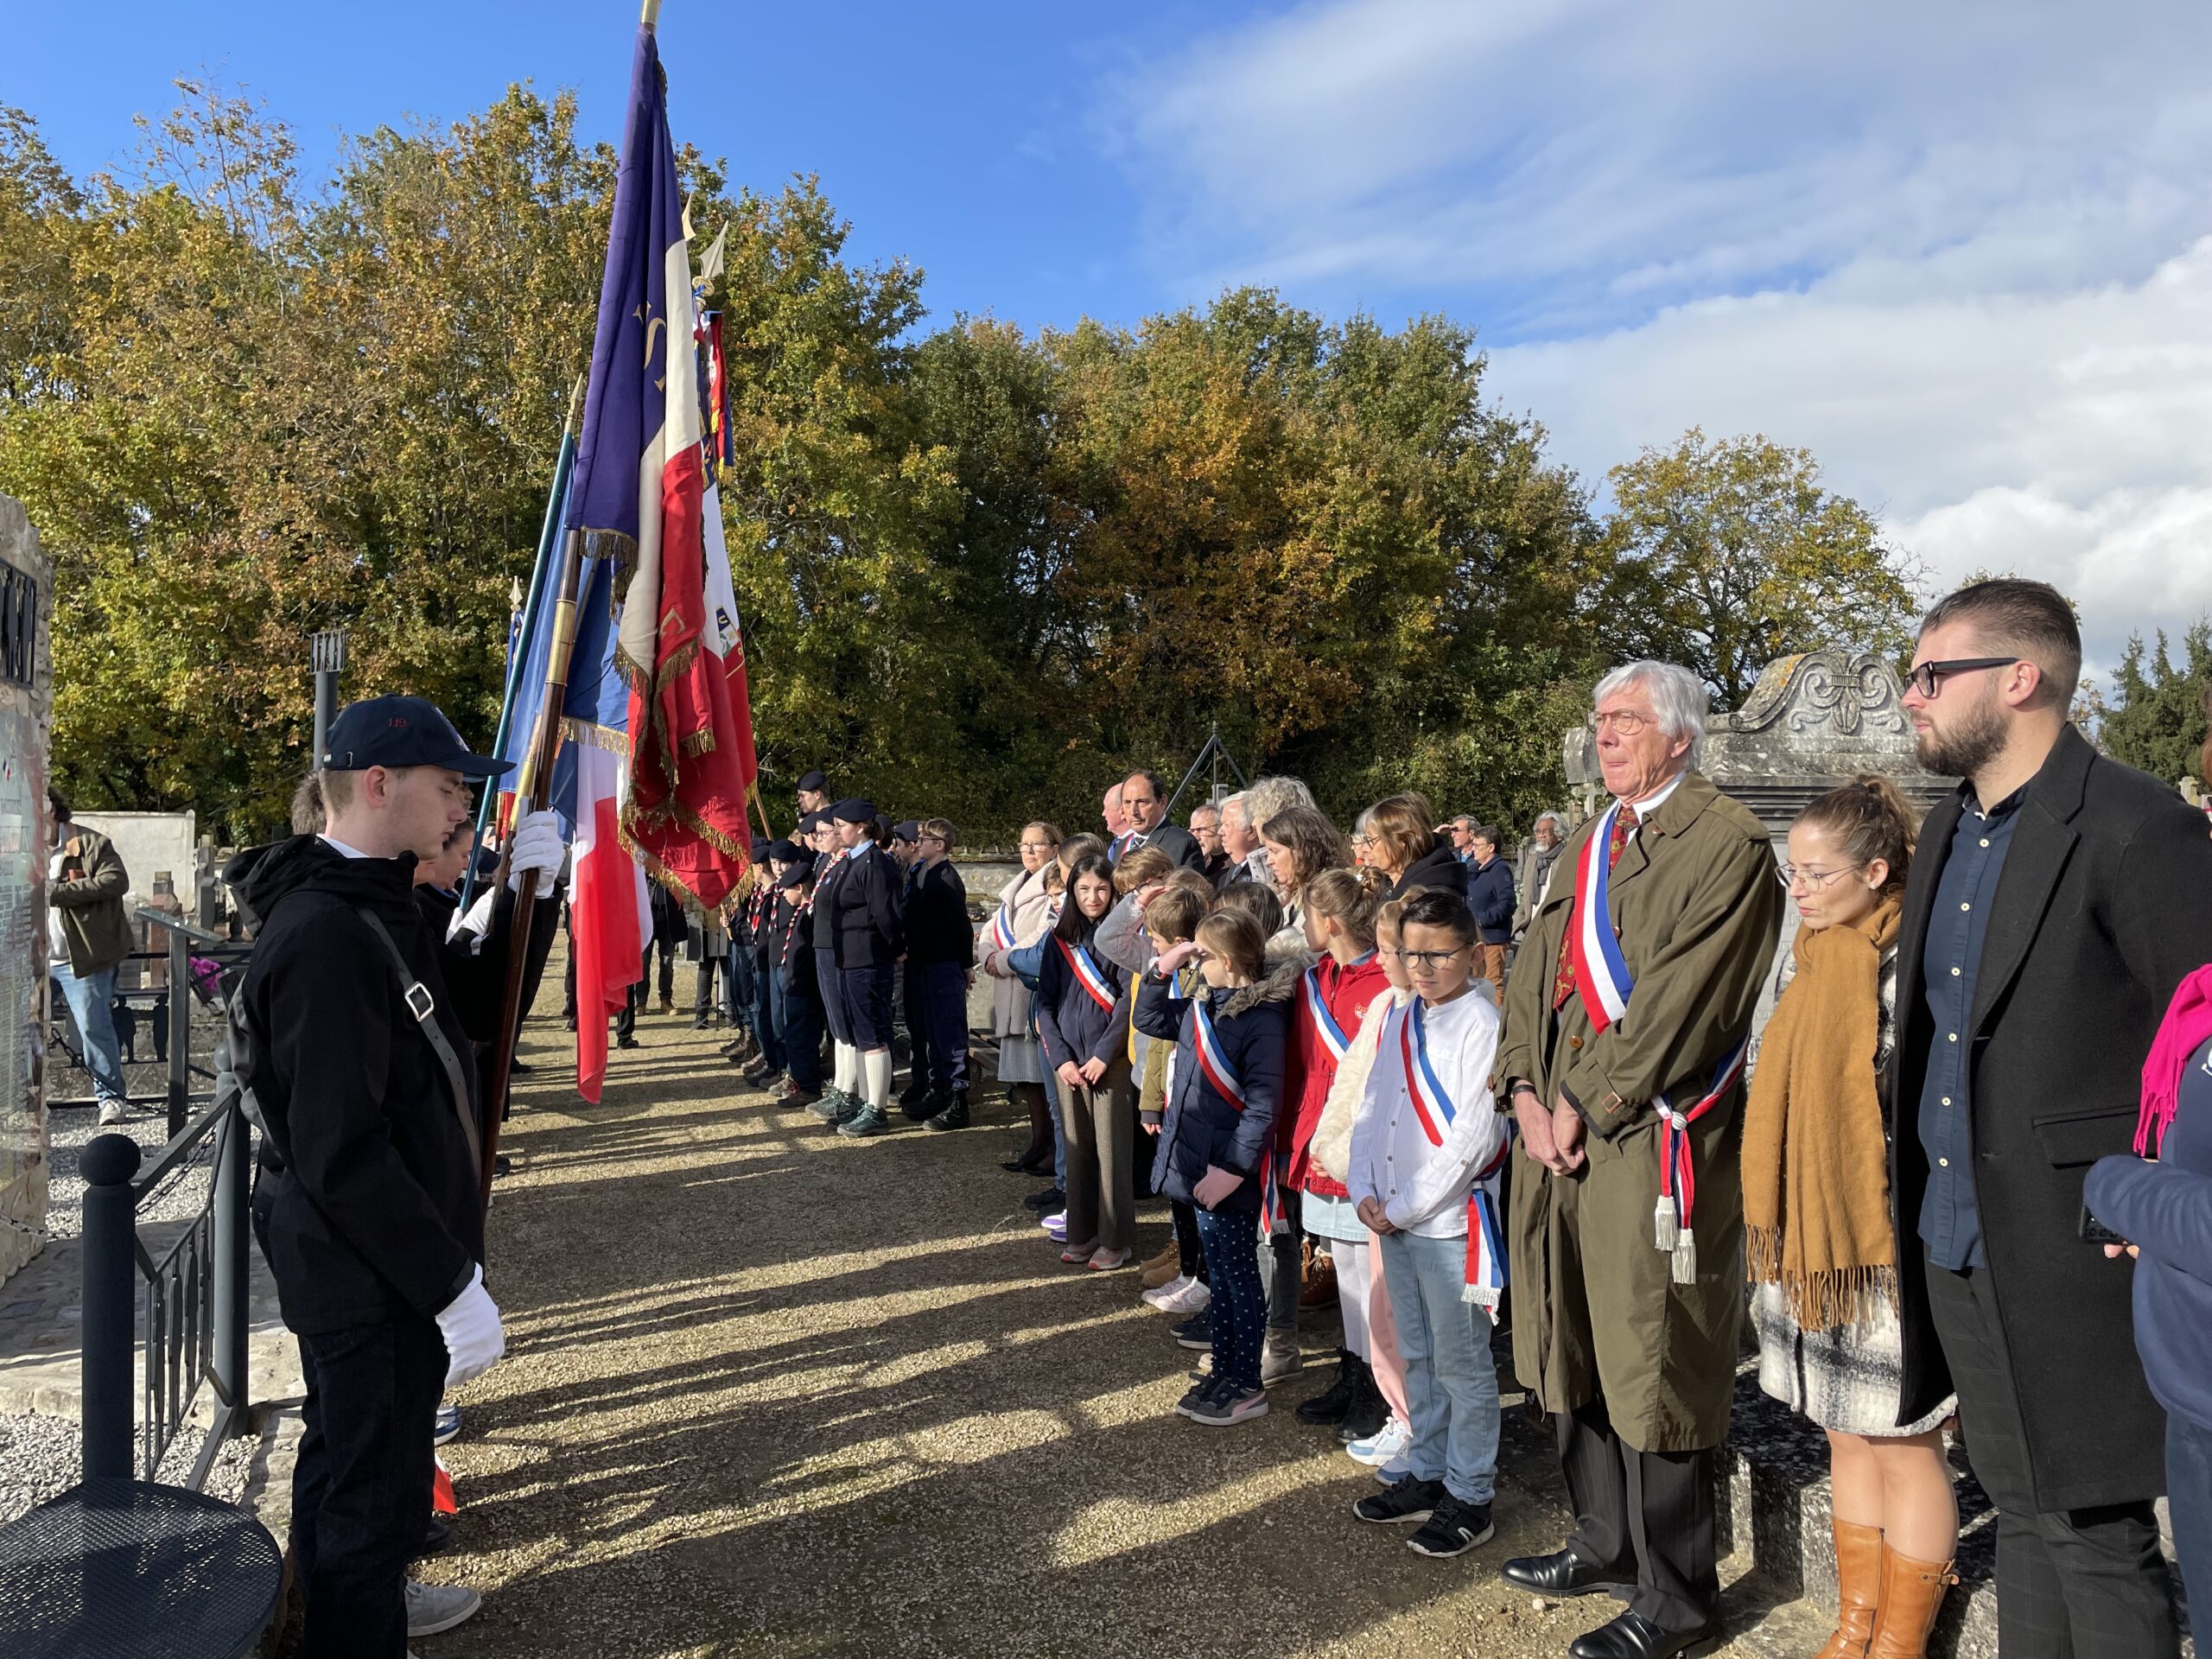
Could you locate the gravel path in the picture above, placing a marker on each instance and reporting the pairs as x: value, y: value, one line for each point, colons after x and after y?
x: 773, y: 1392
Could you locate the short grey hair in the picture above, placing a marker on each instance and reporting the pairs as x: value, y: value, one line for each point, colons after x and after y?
x: 1678, y: 698
x: 1240, y: 800
x: 1268, y: 796
x: 1556, y: 818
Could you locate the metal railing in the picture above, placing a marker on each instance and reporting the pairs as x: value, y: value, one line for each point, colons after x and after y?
x: 196, y: 1290
x: 184, y: 1081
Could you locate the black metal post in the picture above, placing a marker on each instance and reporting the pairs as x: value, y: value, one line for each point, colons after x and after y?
x: 329, y: 655
x: 110, y: 1274
x: 180, y: 1016
x: 233, y: 1176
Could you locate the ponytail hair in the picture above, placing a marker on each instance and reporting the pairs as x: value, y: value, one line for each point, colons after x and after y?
x: 1868, y: 818
x: 1337, y: 894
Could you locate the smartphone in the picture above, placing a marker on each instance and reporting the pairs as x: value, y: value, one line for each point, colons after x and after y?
x: 2095, y: 1232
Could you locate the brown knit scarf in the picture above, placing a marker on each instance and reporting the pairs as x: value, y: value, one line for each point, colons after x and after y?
x: 1816, y: 1197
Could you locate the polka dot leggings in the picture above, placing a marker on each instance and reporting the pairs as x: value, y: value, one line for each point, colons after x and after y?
x: 1231, y: 1241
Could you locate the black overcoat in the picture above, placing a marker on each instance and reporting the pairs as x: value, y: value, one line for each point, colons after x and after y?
x: 2104, y: 903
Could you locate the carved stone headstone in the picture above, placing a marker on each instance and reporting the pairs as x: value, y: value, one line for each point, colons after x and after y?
x: 26, y: 698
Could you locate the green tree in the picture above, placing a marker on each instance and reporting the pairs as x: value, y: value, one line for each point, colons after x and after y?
x: 2156, y: 719
x: 1730, y: 554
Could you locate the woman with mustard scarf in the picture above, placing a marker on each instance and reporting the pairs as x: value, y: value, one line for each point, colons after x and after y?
x: 1819, y: 1238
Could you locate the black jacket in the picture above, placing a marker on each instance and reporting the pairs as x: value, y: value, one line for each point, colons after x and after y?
x: 937, y: 928
x: 2104, y: 903
x: 1439, y: 866
x: 477, y: 979
x: 790, y: 931
x: 1203, y: 1126
x: 865, y: 909
x: 372, y: 1206
x: 1173, y: 840
x: 1490, y: 895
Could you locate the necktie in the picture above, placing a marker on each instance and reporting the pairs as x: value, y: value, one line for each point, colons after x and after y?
x: 1563, y: 979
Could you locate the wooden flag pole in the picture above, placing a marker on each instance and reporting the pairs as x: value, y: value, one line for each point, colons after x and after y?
x: 544, y: 748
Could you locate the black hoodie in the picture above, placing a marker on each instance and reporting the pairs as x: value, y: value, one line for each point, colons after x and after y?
x: 369, y: 1189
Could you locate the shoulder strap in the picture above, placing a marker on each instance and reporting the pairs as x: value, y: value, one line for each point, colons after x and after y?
x: 422, y: 1006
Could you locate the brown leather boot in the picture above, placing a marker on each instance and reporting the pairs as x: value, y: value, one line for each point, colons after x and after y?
x: 1912, y: 1594
x: 1858, y: 1557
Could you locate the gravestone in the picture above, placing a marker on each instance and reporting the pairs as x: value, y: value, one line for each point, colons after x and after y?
x: 26, y: 693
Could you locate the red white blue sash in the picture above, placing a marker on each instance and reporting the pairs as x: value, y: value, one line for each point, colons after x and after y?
x: 1678, y: 1170
x: 1601, y: 974
x: 1333, y: 1035
x: 1088, y: 973
x: 1213, y: 1060
x: 1000, y: 937
x: 1433, y: 1107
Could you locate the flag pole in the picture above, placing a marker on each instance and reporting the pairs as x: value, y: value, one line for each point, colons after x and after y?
x: 519, y: 658
x: 650, y: 18
x: 545, y: 746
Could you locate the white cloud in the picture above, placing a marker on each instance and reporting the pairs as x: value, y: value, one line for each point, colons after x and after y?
x: 1960, y: 252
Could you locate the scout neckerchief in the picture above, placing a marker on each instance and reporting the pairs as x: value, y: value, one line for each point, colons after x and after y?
x: 1087, y: 972
x: 1214, y: 1065
x: 1333, y: 1036
x: 802, y: 908
x: 1602, y: 977
x: 1433, y: 1108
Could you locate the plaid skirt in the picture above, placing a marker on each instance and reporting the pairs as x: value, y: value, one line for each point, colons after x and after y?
x: 1849, y: 1379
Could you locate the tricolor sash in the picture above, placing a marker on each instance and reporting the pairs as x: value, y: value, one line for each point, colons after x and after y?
x: 1088, y: 973
x: 1678, y: 1170
x: 1333, y: 1036
x: 1213, y: 1060
x: 1433, y: 1108
x: 1601, y: 974
x: 1001, y: 936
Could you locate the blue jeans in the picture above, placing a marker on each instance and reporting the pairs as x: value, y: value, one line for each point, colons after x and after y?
x: 1230, y: 1239
x: 1450, y: 1380
x: 1059, y: 1131
x: 91, y: 1010
x: 2188, y: 1496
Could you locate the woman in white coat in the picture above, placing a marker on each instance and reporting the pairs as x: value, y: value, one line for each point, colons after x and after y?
x: 1025, y: 911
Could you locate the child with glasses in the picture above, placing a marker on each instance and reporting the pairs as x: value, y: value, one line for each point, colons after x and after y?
x: 1217, y: 1143
x: 1426, y: 1155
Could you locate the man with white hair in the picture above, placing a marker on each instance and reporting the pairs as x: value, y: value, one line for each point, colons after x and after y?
x: 1247, y: 860
x: 1623, y: 1060
x: 1538, y: 855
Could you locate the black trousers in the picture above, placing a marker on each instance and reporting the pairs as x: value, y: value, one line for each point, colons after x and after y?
x: 361, y: 1488
x: 913, y: 1001
x: 2071, y: 1584
x: 1645, y: 1516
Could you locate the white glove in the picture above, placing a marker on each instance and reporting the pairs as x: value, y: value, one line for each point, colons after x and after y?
x: 476, y: 923
x: 474, y: 1338
x: 534, y: 843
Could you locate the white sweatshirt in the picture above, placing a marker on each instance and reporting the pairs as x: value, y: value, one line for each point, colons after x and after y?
x: 1423, y: 1187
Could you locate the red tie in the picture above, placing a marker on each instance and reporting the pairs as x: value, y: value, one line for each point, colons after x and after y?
x: 1563, y: 980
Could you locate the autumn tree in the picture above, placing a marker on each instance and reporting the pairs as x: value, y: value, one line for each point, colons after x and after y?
x: 1730, y: 553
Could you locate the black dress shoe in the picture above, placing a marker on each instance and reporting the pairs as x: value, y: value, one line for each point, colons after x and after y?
x: 436, y: 1539
x: 1562, y: 1575
x: 1634, y: 1637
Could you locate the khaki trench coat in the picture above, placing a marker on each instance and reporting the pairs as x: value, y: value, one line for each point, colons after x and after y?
x: 1595, y: 1311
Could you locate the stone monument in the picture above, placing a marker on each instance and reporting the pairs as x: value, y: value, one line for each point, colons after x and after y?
x: 26, y: 700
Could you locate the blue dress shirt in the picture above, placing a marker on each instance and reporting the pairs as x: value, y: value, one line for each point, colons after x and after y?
x: 1950, y: 1223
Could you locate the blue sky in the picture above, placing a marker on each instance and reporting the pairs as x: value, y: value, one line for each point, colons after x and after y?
x: 1963, y: 253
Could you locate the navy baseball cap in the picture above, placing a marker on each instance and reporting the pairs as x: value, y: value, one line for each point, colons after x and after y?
x: 402, y: 732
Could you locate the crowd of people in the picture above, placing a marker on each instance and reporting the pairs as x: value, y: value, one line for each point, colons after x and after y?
x: 1959, y: 1181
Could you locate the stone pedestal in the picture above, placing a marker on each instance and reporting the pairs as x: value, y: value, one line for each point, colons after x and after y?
x: 26, y: 699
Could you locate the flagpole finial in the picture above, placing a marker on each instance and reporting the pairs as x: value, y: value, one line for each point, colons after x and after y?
x: 650, y: 18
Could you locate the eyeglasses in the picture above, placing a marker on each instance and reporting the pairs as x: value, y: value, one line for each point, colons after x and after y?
x: 1038, y: 846
x: 1813, y: 880
x: 1927, y: 678
x: 1428, y: 962
x: 1363, y: 839
x: 1626, y: 721
x: 926, y: 836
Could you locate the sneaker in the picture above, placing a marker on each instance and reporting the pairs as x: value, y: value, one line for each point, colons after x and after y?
x: 954, y: 1116
x: 1197, y: 1331
x: 1203, y: 1370
x: 831, y: 1101
x: 1108, y: 1261
x: 1393, y: 1440
x: 1201, y: 1387
x: 1056, y: 1227
x: 448, y: 1425
x: 1368, y: 1412
x: 869, y: 1120
x: 1403, y: 1503
x: 434, y: 1607
x: 1228, y: 1405
x: 113, y: 1111
x: 1280, y: 1359
x: 1396, y: 1470
x: 795, y: 1097
x: 1048, y: 1201
x: 1453, y: 1528
x: 1195, y: 1296
x: 1075, y: 1254
x: 1157, y: 1295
